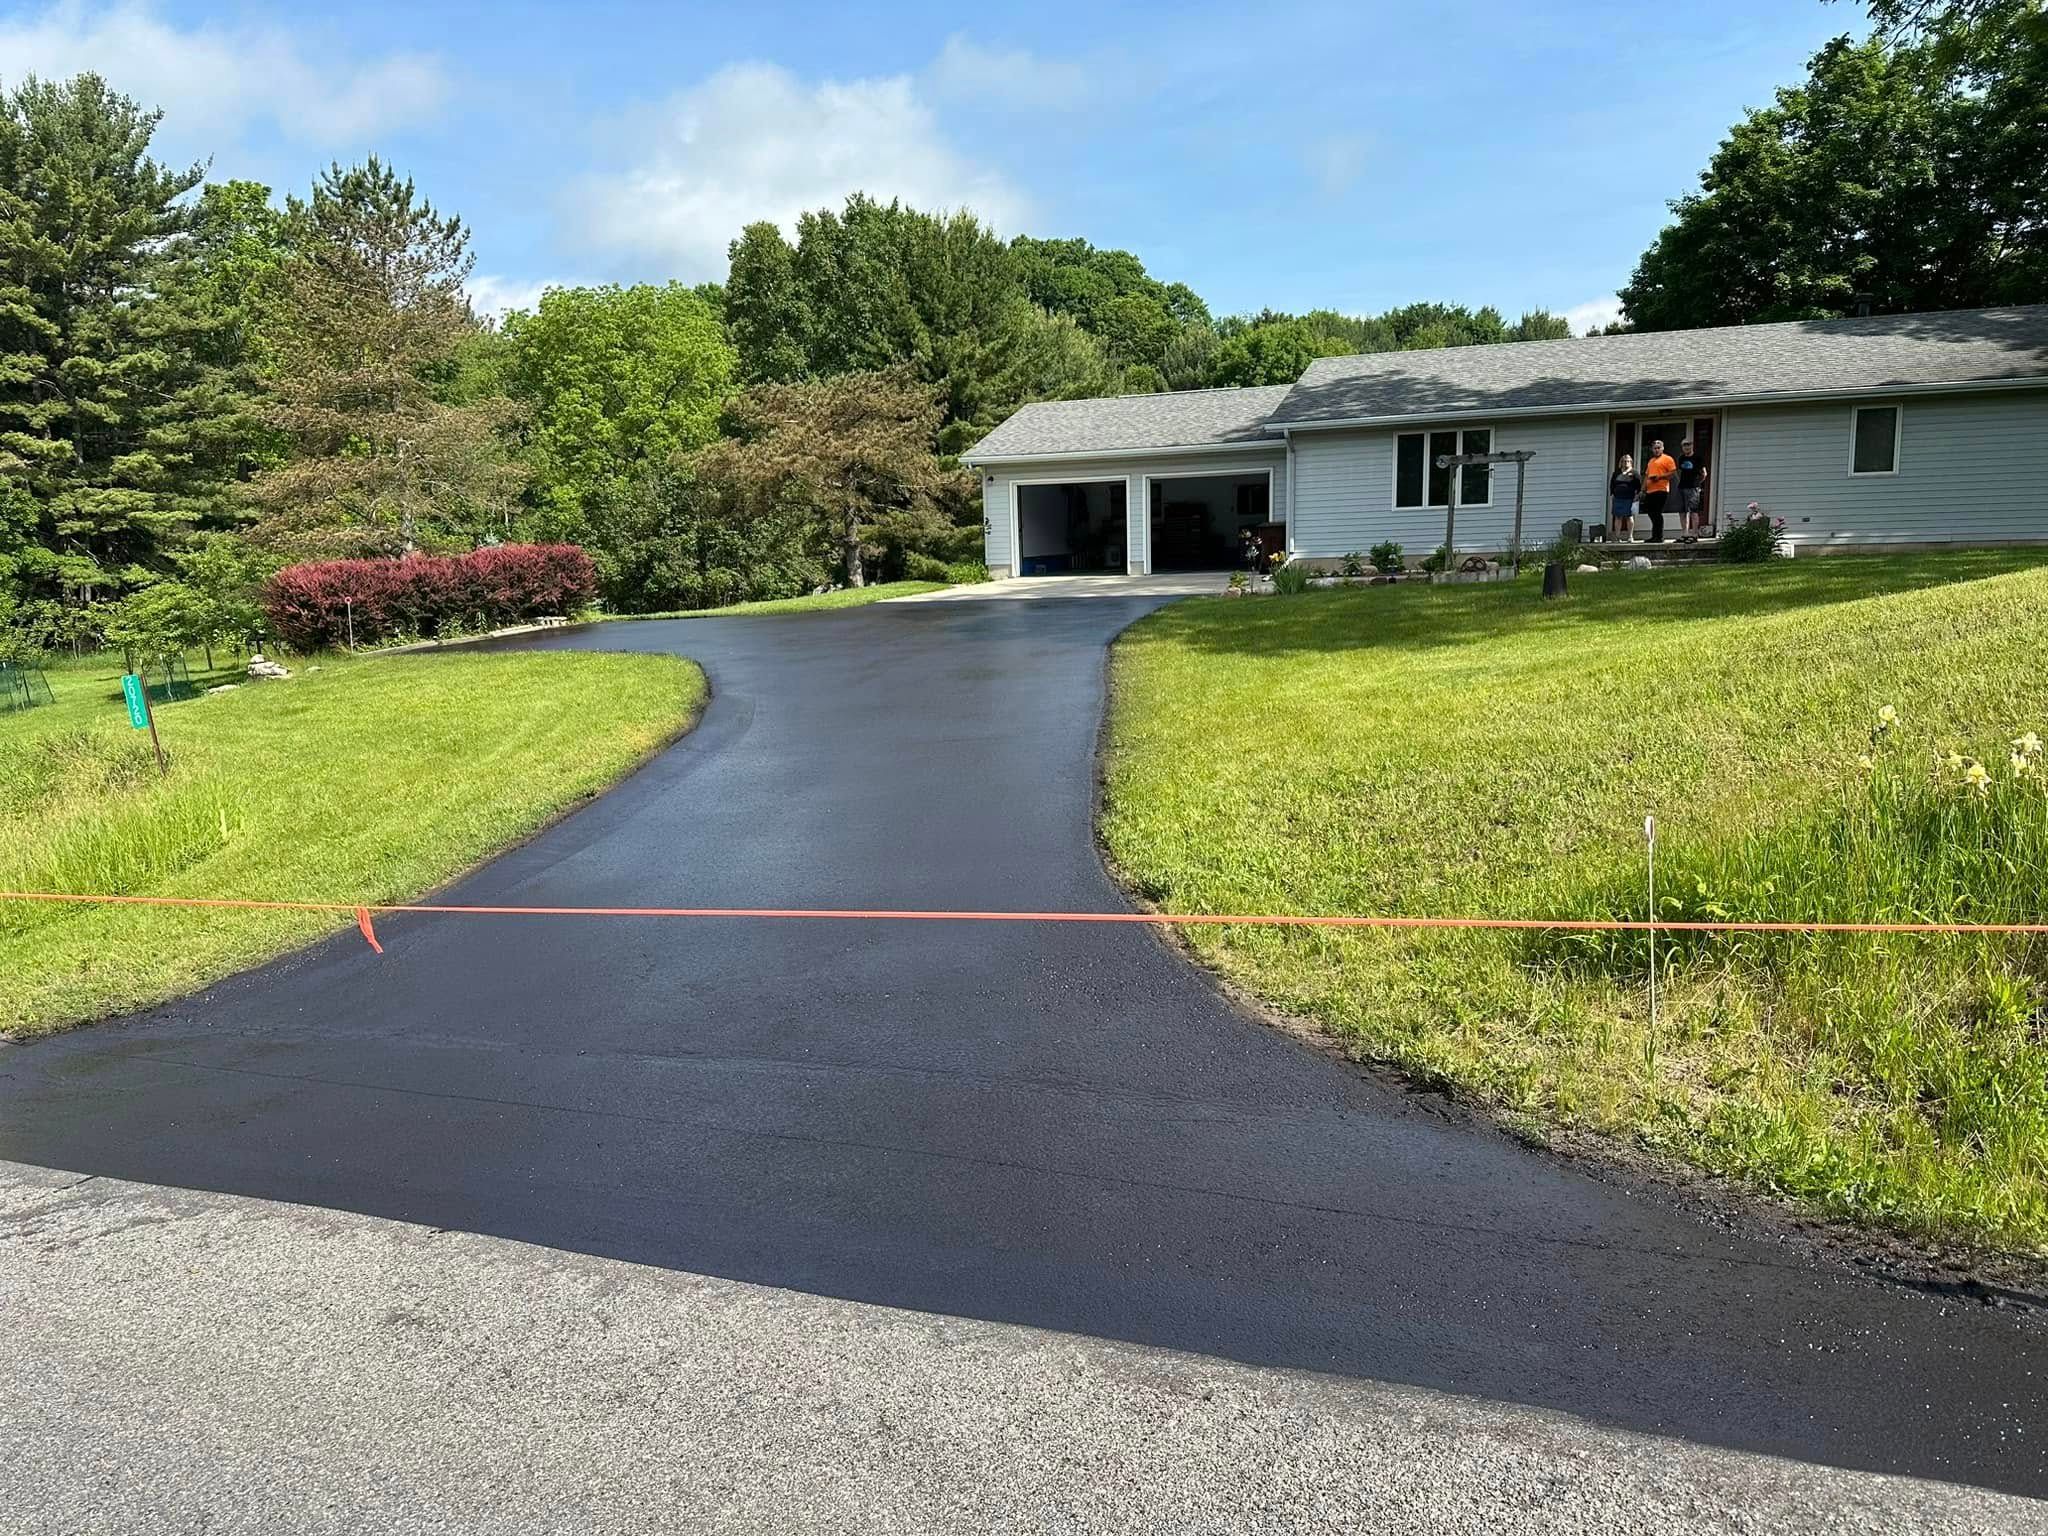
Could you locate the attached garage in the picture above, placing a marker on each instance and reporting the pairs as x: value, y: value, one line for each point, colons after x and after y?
x: 1136, y: 484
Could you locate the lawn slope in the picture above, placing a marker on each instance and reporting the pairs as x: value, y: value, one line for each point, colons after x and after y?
x: 367, y: 781
x: 814, y: 602
x: 1474, y: 750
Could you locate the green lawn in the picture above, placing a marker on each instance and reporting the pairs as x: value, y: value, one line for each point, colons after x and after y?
x: 1471, y: 749
x: 843, y: 597
x: 362, y: 781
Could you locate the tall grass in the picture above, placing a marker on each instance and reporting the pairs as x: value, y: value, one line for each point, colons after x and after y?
x: 1940, y: 1042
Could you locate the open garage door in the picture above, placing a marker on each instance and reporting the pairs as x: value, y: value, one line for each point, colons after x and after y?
x: 1199, y: 522
x: 1068, y: 527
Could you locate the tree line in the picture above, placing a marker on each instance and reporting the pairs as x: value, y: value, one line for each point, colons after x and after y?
x: 1908, y: 172
x: 201, y: 383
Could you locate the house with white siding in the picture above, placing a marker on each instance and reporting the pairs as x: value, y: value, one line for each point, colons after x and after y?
x: 1876, y: 433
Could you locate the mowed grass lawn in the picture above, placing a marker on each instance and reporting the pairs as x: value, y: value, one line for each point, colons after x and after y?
x: 364, y: 781
x: 1474, y: 750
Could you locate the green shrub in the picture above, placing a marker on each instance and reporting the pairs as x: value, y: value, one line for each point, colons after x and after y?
x: 1386, y: 556
x: 1354, y: 564
x: 919, y: 566
x: 1291, y: 579
x: 1754, y: 538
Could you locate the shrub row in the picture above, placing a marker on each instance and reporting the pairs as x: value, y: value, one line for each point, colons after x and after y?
x: 426, y: 595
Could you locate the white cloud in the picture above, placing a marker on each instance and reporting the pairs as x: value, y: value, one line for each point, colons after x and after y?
x: 753, y: 142
x: 493, y: 296
x: 1590, y: 316
x: 1010, y: 77
x: 213, y: 81
x: 1337, y: 162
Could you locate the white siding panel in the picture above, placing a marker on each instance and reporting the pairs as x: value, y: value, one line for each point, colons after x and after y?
x: 1344, y: 490
x: 1972, y: 470
x: 995, y: 525
x: 998, y: 479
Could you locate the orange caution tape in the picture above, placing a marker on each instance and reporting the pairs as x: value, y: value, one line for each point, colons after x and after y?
x: 362, y: 913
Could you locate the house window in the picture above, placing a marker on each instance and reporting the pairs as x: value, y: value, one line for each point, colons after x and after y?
x: 1874, y: 440
x: 1419, y: 483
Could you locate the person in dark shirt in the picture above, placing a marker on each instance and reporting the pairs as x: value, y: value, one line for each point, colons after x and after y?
x: 1692, y: 486
x: 1622, y: 492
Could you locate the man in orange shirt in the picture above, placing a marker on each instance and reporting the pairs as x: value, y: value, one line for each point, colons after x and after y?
x: 1657, y: 477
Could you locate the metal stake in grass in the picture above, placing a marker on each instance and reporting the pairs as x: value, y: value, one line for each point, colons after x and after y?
x: 1650, y: 839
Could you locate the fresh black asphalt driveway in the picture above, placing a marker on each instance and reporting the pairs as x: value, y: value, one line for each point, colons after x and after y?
x: 1062, y: 1126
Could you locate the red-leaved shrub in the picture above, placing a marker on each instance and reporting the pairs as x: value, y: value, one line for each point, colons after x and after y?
x: 426, y: 595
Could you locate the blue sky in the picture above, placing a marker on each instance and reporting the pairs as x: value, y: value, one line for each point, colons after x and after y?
x: 1355, y: 156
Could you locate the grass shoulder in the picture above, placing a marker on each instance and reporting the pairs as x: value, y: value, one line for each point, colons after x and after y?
x: 1446, y: 750
x: 354, y: 781
x: 839, y: 597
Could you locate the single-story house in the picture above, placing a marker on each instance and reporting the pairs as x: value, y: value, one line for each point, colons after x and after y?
x: 1880, y: 432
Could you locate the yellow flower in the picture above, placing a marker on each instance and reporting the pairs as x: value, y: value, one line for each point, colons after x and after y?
x: 1887, y: 718
x: 1977, y: 777
x: 1955, y: 762
x: 1865, y: 763
x: 2022, y: 765
x: 2029, y: 744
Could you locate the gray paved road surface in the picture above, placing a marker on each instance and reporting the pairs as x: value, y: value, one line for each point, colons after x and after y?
x: 223, y: 1365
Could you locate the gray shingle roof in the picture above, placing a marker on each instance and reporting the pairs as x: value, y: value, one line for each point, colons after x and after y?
x: 1194, y: 419
x: 1798, y: 358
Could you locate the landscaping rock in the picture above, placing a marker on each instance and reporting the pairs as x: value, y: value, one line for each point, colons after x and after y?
x: 1639, y: 563
x: 259, y: 667
x: 1586, y: 568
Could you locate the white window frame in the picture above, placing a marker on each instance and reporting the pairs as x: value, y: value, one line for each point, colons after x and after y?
x: 1426, y: 505
x: 1898, y: 410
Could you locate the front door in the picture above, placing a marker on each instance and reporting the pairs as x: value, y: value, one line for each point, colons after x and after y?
x: 1701, y: 429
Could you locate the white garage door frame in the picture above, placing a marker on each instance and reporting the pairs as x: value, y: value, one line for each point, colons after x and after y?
x: 1129, y: 483
x: 1145, y: 485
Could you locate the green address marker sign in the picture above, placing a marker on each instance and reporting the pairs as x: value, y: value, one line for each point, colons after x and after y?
x: 138, y: 706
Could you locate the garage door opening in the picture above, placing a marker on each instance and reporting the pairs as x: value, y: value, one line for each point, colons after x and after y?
x: 1077, y: 527
x: 1199, y: 522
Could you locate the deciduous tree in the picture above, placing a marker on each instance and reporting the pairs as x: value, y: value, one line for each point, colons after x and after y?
x: 614, y: 381
x: 1902, y: 175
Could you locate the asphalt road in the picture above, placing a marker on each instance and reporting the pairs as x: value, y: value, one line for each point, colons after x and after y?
x: 177, y: 1362
x: 1067, y: 1128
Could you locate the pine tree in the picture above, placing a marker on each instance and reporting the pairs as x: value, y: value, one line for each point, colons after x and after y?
x: 118, y: 426
x: 389, y: 450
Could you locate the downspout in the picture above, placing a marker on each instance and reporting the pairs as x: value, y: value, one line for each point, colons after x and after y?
x: 1288, y: 438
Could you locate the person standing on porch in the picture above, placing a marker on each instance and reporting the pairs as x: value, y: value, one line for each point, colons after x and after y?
x: 1657, y: 477
x: 1692, y: 486
x: 1622, y: 492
